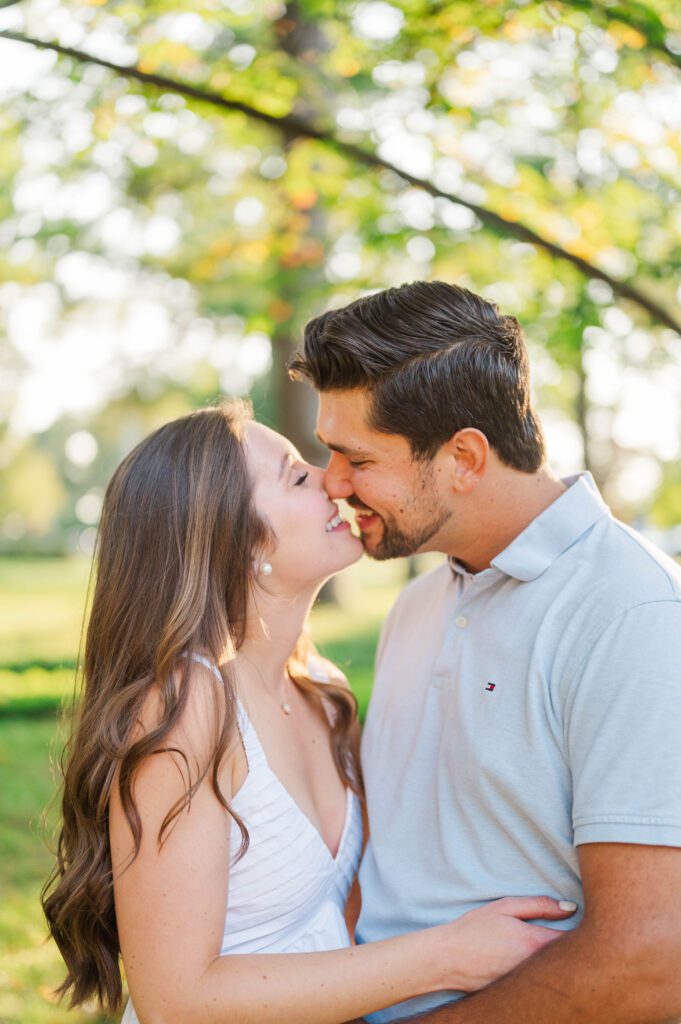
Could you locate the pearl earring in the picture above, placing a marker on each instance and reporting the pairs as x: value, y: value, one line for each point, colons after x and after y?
x: 266, y: 568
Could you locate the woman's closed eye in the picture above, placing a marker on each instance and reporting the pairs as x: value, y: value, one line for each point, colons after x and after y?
x: 301, y: 479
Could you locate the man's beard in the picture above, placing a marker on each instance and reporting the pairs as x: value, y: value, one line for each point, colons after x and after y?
x: 423, y: 519
x: 397, y: 542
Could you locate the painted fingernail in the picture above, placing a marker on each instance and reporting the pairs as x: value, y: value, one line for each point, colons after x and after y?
x: 567, y: 905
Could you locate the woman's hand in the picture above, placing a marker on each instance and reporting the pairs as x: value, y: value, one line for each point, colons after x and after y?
x: 486, y: 943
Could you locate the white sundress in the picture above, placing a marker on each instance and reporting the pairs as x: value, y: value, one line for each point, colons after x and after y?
x: 287, y: 894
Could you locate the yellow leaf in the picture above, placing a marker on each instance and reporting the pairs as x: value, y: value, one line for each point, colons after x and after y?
x: 254, y: 252
x: 509, y: 211
x: 347, y: 67
x: 221, y: 80
x: 588, y: 216
x: 625, y: 35
x: 304, y: 198
x: 221, y: 247
x: 580, y: 247
x: 148, y: 65
x: 516, y: 31
x: 46, y: 991
x: 204, y: 269
x: 280, y: 311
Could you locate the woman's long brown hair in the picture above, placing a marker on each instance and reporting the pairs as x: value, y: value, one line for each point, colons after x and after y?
x: 175, y: 549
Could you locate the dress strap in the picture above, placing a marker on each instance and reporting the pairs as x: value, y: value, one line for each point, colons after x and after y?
x: 255, y: 755
x: 209, y: 665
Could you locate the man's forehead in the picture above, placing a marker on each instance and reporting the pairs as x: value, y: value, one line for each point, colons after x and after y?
x: 341, y: 419
x: 353, y: 403
x: 342, y: 425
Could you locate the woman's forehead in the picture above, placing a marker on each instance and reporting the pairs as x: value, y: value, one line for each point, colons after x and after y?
x: 266, y: 446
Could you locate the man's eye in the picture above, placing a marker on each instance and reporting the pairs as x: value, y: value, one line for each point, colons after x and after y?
x: 301, y: 479
x: 357, y: 463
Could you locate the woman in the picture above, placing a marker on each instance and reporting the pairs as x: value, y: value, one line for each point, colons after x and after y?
x: 212, y: 788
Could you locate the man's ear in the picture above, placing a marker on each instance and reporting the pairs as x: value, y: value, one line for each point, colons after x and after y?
x: 467, y: 454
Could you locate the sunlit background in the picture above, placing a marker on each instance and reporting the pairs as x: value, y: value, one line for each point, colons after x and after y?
x: 160, y: 249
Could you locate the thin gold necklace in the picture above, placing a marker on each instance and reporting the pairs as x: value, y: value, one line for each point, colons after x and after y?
x: 284, y: 704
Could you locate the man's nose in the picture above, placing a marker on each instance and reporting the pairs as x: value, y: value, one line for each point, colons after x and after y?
x: 337, y: 478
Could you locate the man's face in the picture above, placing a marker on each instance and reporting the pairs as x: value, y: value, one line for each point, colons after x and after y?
x: 398, y: 500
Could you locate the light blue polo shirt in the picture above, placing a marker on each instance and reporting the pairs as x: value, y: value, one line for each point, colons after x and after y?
x: 518, y: 713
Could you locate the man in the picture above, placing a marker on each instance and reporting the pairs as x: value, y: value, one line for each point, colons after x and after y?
x: 524, y: 733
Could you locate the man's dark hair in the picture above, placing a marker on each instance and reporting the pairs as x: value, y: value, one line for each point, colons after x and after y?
x: 436, y: 358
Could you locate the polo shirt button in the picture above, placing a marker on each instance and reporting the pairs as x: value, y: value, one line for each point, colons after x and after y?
x: 461, y: 621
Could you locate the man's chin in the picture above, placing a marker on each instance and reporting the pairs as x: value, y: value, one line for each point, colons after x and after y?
x: 370, y: 548
x: 380, y: 551
x: 371, y: 541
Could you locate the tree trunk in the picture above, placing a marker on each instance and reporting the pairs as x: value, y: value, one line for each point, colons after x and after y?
x: 296, y: 401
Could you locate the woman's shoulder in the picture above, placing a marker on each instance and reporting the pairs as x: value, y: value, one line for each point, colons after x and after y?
x: 192, y: 702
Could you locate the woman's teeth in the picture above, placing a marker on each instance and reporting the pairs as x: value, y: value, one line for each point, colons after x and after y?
x: 332, y: 523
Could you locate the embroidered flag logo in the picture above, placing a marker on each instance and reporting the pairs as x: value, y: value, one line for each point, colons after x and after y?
x: 490, y: 687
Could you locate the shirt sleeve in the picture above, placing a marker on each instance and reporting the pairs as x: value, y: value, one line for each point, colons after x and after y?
x: 623, y: 731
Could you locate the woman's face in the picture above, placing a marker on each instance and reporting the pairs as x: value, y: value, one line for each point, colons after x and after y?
x: 312, y: 542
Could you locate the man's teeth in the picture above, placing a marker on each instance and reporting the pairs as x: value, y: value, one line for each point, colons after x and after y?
x: 332, y: 523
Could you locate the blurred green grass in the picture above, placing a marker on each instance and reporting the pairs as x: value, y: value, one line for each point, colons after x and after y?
x: 41, y: 612
x: 33, y: 691
x: 31, y: 966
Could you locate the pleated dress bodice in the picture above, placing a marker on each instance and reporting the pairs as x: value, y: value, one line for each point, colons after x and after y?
x: 287, y: 893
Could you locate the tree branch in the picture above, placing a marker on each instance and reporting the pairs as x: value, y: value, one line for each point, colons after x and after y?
x: 636, y: 16
x: 294, y: 125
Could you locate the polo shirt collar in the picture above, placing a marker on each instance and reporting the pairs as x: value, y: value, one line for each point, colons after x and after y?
x: 551, y: 533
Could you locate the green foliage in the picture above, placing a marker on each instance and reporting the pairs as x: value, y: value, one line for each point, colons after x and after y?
x: 33, y: 489
x: 559, y: 116
x: 666, y: 509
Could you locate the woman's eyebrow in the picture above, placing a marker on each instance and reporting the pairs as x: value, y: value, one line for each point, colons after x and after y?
x: 284, y: 464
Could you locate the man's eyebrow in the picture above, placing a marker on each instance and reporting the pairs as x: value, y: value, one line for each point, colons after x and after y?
x: 340, y: 447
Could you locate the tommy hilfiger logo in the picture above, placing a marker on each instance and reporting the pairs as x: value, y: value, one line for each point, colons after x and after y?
x: 490, y: 687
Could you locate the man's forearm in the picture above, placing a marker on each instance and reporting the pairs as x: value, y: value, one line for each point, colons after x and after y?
x: 582, y: 977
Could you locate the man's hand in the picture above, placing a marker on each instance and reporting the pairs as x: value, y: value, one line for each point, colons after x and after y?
x: 622, y: 965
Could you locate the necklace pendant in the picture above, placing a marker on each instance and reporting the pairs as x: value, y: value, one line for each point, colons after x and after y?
x: 286, y: 708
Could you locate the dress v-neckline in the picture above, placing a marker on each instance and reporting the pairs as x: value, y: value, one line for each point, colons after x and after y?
x: 348, y: 793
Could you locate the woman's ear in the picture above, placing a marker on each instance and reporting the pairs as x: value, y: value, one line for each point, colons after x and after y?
x: 468, y: 457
